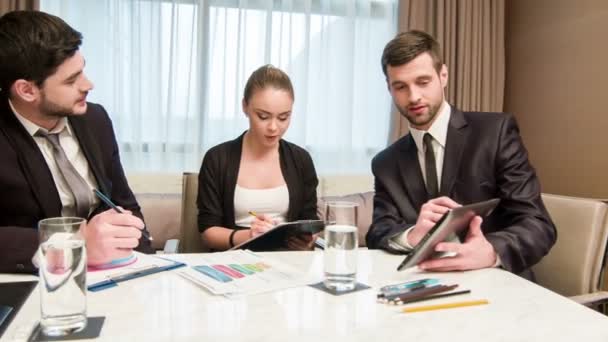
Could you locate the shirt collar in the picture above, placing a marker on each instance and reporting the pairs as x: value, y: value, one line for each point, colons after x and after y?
x: 438, y: 130
x: 32, y: 128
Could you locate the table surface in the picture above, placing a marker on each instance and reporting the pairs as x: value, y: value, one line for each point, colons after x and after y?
x: 167, y: 307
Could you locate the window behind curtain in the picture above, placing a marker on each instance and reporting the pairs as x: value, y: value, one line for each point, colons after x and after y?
x: 171, y: 73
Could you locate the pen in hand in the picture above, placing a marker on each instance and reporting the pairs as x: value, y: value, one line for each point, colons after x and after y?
x: 111, y: 204
x: 261, y: 217
x: 263, y: 224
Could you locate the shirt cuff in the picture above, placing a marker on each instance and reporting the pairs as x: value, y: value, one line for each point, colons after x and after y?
x: 498, y: 263
x: 399, y: 241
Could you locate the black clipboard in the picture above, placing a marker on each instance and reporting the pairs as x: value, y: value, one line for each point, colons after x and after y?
x: 12, y: 297
x: 453, y: 221
x: 275, y: 238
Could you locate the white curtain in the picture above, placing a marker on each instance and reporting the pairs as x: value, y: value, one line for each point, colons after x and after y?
x: 171, y: 73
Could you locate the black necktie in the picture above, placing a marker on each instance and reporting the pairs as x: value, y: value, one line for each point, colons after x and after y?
x: 432, y: 187
x: 79, y: 187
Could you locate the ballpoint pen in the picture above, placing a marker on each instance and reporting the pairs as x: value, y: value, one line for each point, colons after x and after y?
x: 441, y: 295
x: 396, y: 288
x: 420, y: 293
x: 111, y: 204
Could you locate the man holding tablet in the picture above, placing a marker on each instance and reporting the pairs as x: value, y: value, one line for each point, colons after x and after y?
x: 451, y: 158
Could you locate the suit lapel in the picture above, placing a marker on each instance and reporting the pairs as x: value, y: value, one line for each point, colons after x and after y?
x: 32, y: 163
x: 90, y: 149
x: 410, y: 171
x: 458, y: 133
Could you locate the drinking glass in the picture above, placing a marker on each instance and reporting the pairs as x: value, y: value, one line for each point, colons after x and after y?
x: 62, y: 261
x: 341, y: 241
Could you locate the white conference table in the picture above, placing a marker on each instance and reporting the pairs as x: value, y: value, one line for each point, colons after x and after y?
x: 167, y: 307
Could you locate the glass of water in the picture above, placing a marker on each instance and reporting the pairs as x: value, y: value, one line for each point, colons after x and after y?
x: 341, y: 241
x: 63, y: 270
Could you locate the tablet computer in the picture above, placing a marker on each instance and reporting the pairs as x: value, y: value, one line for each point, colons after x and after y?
x: 453, y: 221
x: 276, y: 237
x: 12, y: 297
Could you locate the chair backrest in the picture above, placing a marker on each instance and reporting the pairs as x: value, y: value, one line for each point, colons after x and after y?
x: 573, y: 266
x: 339, y: 184
x: 161, y: 213
x: 190, y: 239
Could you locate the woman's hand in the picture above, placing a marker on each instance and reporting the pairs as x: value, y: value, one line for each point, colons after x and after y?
x: 305, y: 242
x: 261, y: 224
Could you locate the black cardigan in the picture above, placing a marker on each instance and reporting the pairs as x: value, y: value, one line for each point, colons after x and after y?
x: 218, y: 175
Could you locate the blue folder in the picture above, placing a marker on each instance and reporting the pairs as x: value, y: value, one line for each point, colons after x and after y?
x: 113, y: 281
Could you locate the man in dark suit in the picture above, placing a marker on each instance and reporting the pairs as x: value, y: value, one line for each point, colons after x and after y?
x: 451, y: 158
x: 51, y: 139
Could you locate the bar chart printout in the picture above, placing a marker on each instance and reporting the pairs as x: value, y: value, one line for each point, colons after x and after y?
x: 242, y: 272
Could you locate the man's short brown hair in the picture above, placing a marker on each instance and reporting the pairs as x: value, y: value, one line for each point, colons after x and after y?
x: 408, y: 45
x: 32, y: 46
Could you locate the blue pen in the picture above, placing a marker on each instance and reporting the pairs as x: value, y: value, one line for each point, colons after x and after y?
x: 111, y: 204
x: 390, y: 289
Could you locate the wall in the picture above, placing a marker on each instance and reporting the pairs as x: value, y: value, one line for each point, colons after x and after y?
x: 557, y: 87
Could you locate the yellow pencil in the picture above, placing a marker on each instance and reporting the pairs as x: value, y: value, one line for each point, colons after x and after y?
x: 445, y: 306
x: 252, y: 213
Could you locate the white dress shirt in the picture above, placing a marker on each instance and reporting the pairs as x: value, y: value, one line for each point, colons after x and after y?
x: 439, y: 132
x: 74, y: 154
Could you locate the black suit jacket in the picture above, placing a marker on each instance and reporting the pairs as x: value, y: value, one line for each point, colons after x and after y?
x: 219, y: 173
x: 484, y: 158
x: 29, y: 193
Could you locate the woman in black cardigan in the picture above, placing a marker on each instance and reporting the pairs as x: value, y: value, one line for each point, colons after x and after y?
x: 258, y: 171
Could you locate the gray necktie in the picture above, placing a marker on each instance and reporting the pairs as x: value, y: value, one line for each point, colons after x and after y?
x: 432, y: 187
x: 79, y: 187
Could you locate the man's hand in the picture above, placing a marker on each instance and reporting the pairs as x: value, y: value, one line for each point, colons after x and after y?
x: 476, y: 252
x: 430, y: 213
x: 111, y: 235
x: 261, y: 224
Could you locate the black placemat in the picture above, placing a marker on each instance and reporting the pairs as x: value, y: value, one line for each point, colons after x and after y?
x: 92, y: 330
x: 321, y: 286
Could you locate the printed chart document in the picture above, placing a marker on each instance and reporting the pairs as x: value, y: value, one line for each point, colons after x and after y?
x: 241, y: 272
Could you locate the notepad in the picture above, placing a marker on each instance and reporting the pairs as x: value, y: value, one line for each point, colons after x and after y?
x: 116, y: 263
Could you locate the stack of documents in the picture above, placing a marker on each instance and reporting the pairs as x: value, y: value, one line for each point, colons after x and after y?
x: 242, y: 272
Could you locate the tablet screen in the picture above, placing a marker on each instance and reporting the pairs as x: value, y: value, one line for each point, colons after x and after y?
x: 452, y: 222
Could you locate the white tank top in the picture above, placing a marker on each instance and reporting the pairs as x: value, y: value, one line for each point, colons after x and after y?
x: 273, y: 202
